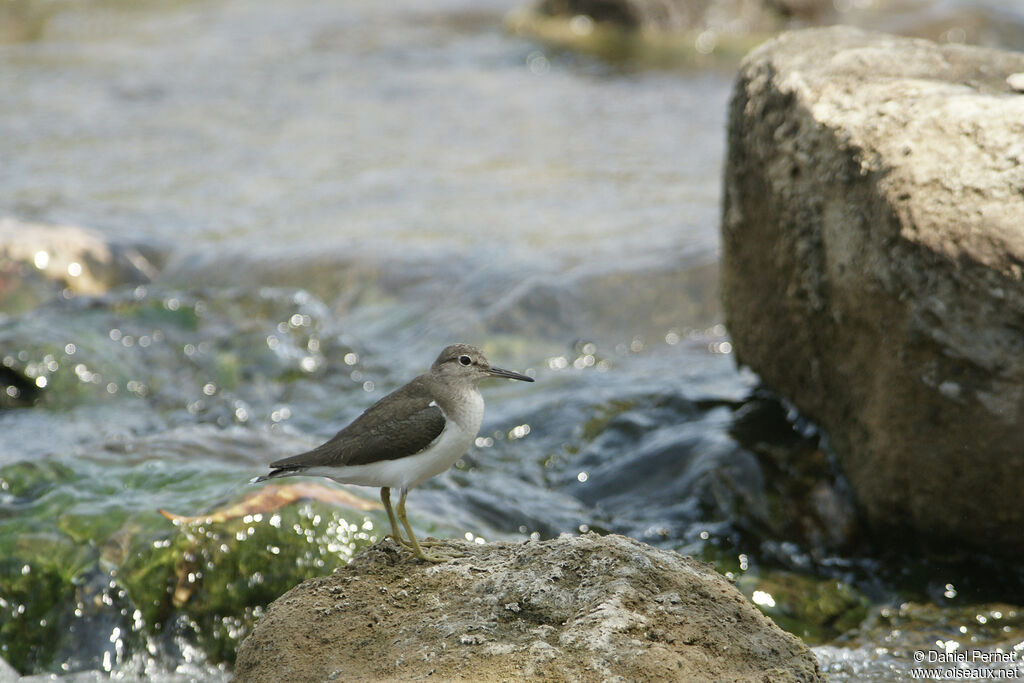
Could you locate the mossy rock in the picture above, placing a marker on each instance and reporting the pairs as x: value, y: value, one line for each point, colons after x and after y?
x: 816, y: 609
x: 75, y: 565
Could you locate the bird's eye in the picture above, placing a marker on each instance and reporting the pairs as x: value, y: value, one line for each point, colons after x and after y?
x: 465, y: 360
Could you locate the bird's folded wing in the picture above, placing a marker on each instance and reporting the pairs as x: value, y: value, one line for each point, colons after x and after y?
x: 404, y: 426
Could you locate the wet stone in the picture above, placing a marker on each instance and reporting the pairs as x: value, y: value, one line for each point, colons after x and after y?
x: 604, y: 616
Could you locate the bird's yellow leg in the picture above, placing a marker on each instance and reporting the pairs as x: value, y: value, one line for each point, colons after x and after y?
x: 396, y: 536
x: 415, y: 547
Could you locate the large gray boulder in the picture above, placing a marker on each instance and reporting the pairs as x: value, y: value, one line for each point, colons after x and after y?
x: 587, y: 608
x: 873, y: 253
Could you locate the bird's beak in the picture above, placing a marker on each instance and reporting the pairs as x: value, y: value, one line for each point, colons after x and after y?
x: 498, y: 372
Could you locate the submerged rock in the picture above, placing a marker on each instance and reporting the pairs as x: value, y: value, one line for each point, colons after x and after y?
x: 656, y: 31
x: 873, y: 268
x: 572, y: 608
x: 666, y: 32
x: 677, y: 15
x: 67, y: 256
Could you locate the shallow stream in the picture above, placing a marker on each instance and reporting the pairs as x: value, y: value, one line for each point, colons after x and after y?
x: 332, y: 192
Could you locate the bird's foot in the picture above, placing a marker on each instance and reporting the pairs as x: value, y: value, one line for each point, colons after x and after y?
x: 423, y: 544
x: 417, y: 551
x: 435, y: 559
x: 440, y: 556
x: 442, y: 549
x: 399, y: 540
x: 448, y: 547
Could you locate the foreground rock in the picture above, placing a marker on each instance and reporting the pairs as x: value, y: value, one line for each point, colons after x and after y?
x: 572, y: 608
x: 873, y: 244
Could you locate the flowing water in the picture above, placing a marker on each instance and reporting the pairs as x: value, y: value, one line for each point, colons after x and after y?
x: 332, y: 192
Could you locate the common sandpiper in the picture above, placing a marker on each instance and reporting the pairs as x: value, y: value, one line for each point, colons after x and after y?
x: 412, y: 434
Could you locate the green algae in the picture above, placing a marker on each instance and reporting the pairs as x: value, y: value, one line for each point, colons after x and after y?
x: 922, y: 626
x: 158, y: 312
x: 68, y: 561
x: 163, y: 347
x: 38, y: 573
x: 603, y: 415
x: 816, y: 609
x: 220, y: 576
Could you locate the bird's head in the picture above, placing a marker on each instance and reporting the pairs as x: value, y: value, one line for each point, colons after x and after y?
x: 461, y: 362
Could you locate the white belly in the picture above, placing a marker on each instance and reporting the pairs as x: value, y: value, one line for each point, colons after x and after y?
x: 459, y: 433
